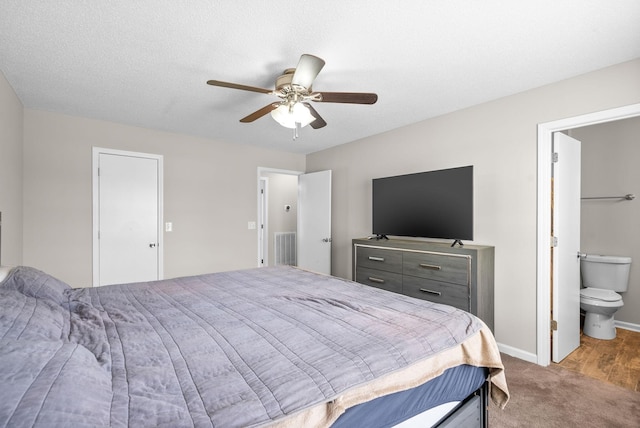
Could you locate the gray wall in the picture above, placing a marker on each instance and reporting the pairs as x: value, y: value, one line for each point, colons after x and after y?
x: 209, y: 195
x: 11, y: 121
x: 610, y: 156
x: 500, y: 139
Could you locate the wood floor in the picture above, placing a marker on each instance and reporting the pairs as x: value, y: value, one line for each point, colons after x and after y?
x: 616, y: 361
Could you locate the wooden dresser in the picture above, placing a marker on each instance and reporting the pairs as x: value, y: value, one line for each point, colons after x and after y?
x: 461, y: 276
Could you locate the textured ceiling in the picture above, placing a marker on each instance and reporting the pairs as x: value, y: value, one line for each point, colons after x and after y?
x: 146, y: 62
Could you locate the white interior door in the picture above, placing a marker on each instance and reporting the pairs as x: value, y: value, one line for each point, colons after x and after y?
x: 314, y: 221
x: 566, y: 260
x: 128, y: 208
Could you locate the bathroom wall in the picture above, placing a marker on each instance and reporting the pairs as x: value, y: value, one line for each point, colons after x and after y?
x: 282, y: 190
x: 610, y: 156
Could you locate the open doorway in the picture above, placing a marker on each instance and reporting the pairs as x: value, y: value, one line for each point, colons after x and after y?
x: 545, y: 138
x: 312, y: 201
x: 277, y: 216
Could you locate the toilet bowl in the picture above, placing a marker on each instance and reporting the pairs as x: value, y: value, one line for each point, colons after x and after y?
x: 602, y: 276
x: 600, y: 306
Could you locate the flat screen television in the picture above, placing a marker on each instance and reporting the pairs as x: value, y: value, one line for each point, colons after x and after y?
x: 432, y: 204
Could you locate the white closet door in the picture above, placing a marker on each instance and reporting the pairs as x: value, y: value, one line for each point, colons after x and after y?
x: 128, y: 219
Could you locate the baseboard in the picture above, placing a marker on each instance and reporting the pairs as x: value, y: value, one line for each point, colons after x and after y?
x: 533, y: 358
x: 628, y: 326
x: 518, y: 353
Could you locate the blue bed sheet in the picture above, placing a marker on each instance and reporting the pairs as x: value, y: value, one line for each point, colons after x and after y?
x: 455, y: 384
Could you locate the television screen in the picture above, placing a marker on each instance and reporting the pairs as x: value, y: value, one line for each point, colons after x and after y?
x: 433, y: 204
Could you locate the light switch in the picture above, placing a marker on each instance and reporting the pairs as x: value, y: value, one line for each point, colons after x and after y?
x: 251, y: 225
x: 168, y: 226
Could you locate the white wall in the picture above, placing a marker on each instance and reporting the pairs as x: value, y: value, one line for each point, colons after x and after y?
x: 610, y: 155
x: 499, y: 139
x: 11, y: 121
x: 210, y: 195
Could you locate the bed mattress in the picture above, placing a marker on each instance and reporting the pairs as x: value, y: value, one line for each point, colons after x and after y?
x: 260, y: 347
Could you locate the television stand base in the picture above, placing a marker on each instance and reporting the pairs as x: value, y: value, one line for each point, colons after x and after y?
x: 457, y: 241
x: 378, y: 237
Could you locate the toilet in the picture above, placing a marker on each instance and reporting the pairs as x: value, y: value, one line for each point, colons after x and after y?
x: 602, y: 277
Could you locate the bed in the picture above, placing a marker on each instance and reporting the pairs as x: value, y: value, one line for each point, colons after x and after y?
x: 275, y: 346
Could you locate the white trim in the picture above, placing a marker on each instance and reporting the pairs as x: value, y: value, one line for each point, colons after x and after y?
x: 95, y: 207
x: 518, y: 353
x: 266, y: 170
x: 545, y: 131
x: 263, y: 219
x: 627, y: 326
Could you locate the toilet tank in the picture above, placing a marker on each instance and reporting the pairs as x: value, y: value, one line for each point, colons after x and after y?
x: 606, y: 272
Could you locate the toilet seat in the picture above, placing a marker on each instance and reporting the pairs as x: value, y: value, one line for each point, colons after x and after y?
x: 591, y: 293
x: 598, y: 297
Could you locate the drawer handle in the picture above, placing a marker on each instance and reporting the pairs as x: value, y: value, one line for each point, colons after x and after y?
x: 432, y: 267
x: 378, y: 280
x: 376, y: 259
x: 435, y: 293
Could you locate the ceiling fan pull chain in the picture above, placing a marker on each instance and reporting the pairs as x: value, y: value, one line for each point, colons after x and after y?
x: 295, y: 131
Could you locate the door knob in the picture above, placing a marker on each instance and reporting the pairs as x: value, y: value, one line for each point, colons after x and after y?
x: 152, y: 245
x: 326, y: 240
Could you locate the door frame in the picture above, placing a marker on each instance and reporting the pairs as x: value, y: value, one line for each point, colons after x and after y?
x: 263, y: 221
x: 264, y: 252
x: 97, y: 151
x: 543, y: 280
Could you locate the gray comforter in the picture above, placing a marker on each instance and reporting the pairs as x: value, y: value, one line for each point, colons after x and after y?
x: 243, y: 348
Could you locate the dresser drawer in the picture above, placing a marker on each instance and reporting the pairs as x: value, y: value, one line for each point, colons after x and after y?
x: 389, y: 281
x: 435, y: 271
x: 435, y: 291
x: 376, y: 258
x: 453, y: 269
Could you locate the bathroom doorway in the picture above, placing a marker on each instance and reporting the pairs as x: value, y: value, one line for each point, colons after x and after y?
x: 277, y: 216
x: 609, y: 218
x: 544, y: 268
x: 309, y: 231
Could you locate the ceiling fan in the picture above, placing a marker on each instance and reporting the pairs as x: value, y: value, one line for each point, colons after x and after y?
x: 294, y: 89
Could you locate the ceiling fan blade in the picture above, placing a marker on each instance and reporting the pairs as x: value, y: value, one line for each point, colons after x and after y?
x: 237, y: 86
x: 259, y: 113
x: 319, y: 122
x: 307, y: 70
x: 347, y: 97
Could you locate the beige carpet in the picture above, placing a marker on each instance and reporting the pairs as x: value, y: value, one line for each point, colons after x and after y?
x: 555, y: 397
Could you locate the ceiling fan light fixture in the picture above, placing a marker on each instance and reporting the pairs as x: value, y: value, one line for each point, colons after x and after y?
x: 293, y: 87
x: 288, y: 116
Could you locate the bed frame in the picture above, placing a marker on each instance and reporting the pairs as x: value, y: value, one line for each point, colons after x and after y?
x: 472, y: 412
